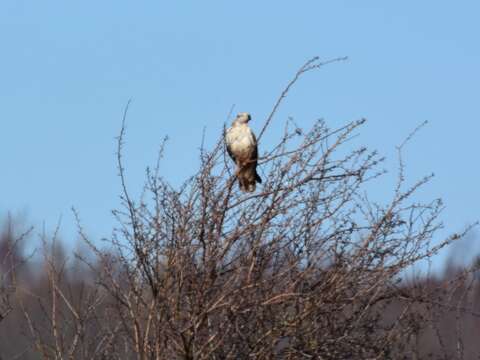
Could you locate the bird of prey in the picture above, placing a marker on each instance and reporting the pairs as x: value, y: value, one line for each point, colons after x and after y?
x: 242, y: 148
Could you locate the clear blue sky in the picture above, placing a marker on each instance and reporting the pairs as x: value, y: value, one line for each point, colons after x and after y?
x: 68, y: 68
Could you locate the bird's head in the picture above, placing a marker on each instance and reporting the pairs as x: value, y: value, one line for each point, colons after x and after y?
x: 243, y: 118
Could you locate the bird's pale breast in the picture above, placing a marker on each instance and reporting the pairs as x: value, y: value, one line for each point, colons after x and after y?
x: 241, y: 141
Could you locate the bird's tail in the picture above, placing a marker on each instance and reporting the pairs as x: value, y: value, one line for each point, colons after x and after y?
x: 257, y: 177
x: 247, y: 178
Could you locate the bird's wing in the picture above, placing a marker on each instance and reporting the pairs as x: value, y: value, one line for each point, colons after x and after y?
x: 228, y: 145
x: 254, y: 156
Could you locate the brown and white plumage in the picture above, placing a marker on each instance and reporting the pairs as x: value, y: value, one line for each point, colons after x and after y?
x: 243, y: 149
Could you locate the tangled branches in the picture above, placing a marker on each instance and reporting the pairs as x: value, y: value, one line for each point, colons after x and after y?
x: 307, y: 267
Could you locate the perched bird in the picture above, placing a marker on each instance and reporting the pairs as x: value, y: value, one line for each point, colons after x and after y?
x: 242, y: 148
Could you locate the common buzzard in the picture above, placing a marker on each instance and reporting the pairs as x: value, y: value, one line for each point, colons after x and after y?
x: 242, y: 148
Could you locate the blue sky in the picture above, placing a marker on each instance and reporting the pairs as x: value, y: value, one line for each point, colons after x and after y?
x: 68, y: 68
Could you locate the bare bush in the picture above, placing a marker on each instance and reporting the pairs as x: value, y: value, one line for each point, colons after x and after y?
x: 307, y: 267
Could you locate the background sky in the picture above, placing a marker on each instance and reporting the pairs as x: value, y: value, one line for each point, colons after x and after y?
x: 67, y: 70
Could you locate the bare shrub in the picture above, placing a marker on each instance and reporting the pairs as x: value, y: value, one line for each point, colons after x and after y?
x: 307, y: 267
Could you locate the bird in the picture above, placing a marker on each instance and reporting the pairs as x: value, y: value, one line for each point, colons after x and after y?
x: 243, y: 149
